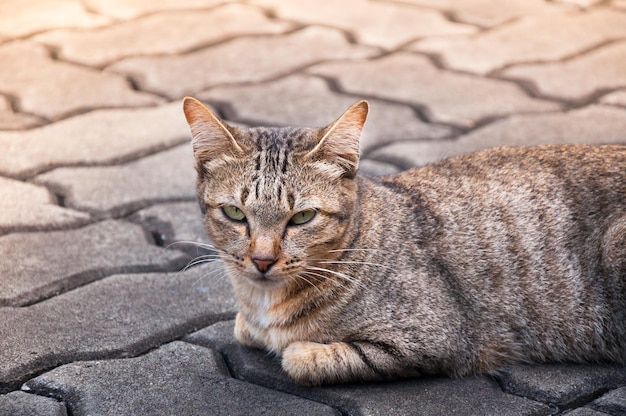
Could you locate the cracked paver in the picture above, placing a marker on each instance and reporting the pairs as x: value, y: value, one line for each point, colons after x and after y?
x: 414, y: 79
x: 529, y: 39
x: 250, y: 59
x: 20, y: 403
x: 9, y: 120
x: 129, y: 9
x: 74, y: 89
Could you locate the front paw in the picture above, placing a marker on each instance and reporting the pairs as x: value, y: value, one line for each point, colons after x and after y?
x: 313, y: 364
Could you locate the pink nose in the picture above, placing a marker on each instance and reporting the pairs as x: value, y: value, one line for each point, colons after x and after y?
x: 263, y: 265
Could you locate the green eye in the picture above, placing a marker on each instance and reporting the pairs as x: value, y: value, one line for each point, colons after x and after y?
x: 302, y: 217
x: 233, y: 213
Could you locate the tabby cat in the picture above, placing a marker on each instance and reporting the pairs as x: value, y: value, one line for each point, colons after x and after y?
x: 461, y: 267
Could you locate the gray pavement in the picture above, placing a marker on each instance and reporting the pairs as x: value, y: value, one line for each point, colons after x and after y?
x: 97, y: 315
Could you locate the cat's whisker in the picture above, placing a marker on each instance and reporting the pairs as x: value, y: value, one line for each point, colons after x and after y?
x: 217, y: 274
x: 365, y: 263
x: 301, y: 276
x: 343, y: 276
x: 339, y: 250
x: 208, y: 258
x: 195, y: 244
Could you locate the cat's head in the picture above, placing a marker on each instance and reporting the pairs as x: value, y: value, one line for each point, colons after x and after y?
x: 278, y: 202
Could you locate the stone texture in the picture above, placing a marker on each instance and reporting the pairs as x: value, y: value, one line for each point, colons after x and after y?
x: 489, y: 13
x: 177, y: 225
x: 182, y: 378
x: 98, y: 137
x: 448, y: 97
x: 615, y: 98
x: 9, y: 120
x: 163, y: 33
x: 71, y: 88
x: 18, y: 403
x: 579, y: 78
x: 48, y: 263
x: 239, y: 60
x: 308, y: 101
x: 584, y: 411
x: 613, y: 402
x: 129, y: 9
x: 373, y: 23
x: 119, y: 316
x: 531, y: 39
x: 581, y: 3
x: 25, y: 206
x: 114, y: 191
x: 377, y: 168
x: 620, y: 4
x: 470, y: 396
x: 24, y: 17
x: 589, y: 125
x: 562, y: 385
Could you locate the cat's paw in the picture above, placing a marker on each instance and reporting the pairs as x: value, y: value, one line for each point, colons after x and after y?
x: 312, y: 364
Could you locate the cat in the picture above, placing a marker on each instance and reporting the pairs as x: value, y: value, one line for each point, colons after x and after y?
x: 461, y: 267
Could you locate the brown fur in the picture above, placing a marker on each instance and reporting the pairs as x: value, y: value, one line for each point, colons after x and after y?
x: 461, y: 267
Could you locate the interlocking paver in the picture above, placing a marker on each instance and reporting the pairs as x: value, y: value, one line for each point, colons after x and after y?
x: 584, y: 411
x: 615, y: 98
x: 449, y: 97
x: 180, y: 377
x: 578, y: 78
x: 69, y: 88
x: 128, y: 9
x: 25, y: 206
x: 312, y: 103
x: 621, y: 4
x: 581, y: 3
x: 564, y: 385
x: 102, y: 136
x: 119, y: 316
x: 489, y: 13
x: 177, y: 225
x: 375, y: 23
x: 589, y: 125
x: 240, y: 60
x: 9, y: 120
x: 613, y: 402
x: 24, y: 17
x: 18, y: 403
x: 530, y: 39
x: 113, y: 191
x: 470, y: 396
x: 163, y: 33
x: 46, y: 263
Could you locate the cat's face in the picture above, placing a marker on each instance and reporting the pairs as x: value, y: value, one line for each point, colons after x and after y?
x: 278, y: 202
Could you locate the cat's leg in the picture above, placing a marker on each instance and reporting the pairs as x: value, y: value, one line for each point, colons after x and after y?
x: 312, y: 363
x: 614, y: 248
x: 243, y: 333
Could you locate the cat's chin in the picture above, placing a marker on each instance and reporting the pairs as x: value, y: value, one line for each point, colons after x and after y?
x: 264, y: 282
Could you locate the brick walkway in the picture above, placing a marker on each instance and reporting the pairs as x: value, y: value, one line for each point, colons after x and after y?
x: 96, y: 180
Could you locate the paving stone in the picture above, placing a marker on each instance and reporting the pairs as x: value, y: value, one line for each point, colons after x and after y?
x: 10, y: 120
x: 589, y: 125
x: 620, y: 4
x: 128, y: 9
x: 113, y: 191
x: 301, y: 100
x: 162, y: 33
x: 581, y: 3
x: 577, y: 79
x: 470, y: 396
x: 98, y: 137
x: 376, y: 168
x: 489, y: 13
x: 176, y: 225
x: 564, y: 385
x: 414, y: 79
x: 584, y: 411
x: 24, y: 17
x: 240, y: 60
x: 18, y: 403
x: 25, y: 206
x: 119, y: 316
x: 613, y: 402
x: 615, y: 98
x: 75, y: 88
x: 531, y: 39
x: 381, y: 24
x: 46, y: 263
x: 182, y: 378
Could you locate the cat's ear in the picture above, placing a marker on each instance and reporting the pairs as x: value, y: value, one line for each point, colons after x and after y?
x: 211, y: 137
x: 339, y: 141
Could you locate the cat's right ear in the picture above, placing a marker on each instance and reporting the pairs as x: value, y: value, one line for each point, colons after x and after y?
x: 211, y: 137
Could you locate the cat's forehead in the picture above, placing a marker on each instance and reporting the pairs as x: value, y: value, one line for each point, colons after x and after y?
x: 273, y: 139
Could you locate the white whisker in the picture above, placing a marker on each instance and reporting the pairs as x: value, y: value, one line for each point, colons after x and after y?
x: 343, y: 276
x: 366, y: 263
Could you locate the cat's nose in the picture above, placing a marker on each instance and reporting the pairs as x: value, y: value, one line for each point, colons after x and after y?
x: 263, y: 265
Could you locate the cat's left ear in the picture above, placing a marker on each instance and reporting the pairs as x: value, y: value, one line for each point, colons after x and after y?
x: 340, y: 140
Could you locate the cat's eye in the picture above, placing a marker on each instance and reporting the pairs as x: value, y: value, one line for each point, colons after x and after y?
x: 302, y: 217
x: 233, y: 213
